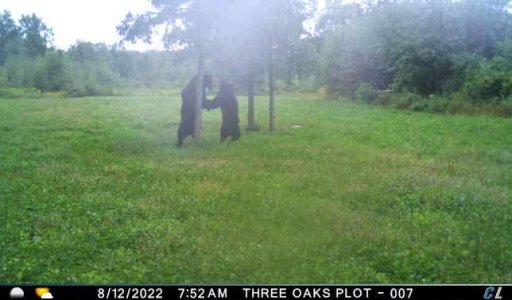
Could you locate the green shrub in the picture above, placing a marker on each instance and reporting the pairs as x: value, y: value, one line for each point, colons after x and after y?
x: 464, y: 64
x: 490, y: 83
x: 323, y: 91
x: 412, y: 101
x: 3, y: 77
x: 54, y: 95
x: 309, y: 84
x: 383, y: 98
x: 406, y: 100
x: 438, y: 104
x: 420, y: 105
x: 12, y: 93
x: 366, y: 92
x: 76, y: 92
x: 89, y: 90
x: 457, y: 104
x: 507, y: 107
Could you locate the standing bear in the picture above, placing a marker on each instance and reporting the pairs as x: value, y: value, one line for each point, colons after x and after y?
x: 228, y: 103
x: 188, y: 103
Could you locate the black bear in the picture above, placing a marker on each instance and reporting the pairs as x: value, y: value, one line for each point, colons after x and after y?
x: 188, y: 103
x: 228, y: 103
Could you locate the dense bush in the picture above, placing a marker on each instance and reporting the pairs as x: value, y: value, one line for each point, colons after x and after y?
x: 406, y: 100
x: 439, y: 104
x: 491, y: 82
x: 507, y: 107
x: 50, y: 73
x: 3, y: 77
x: 454, y: 54
x: 12, y: 93
x: 366, y: 92
x: 437, y: 56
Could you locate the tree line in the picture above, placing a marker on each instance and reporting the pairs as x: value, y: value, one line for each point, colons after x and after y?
x: 29, y: 64
x: 434, y: 55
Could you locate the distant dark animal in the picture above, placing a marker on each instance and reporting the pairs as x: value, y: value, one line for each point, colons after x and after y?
x: 188, y: 104
x: 226, y: 100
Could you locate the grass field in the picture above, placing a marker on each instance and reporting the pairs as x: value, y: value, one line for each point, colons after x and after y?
x: 93, y: 191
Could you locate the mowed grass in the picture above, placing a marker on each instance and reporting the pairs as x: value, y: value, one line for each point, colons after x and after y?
x: 94, y: 191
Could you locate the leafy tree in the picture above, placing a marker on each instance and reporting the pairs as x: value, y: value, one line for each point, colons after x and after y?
x: 297, y: 64
x: 90, y: 67
x: 410, y: 45
x: 283, y: 24
x: 336, y: 15
x: 187, y: 24
x: 263, y: 31
x: 355, y: 53
x: 35, y: 34
x: 491, y: 80
x: 24, y: 70
x: 239, y: 30
x: 51, y: 75
x: 226, y: 28
x: 483, y: 23
x: 8, y: 34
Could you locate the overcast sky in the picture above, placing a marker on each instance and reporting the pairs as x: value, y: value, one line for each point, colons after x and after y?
x: 85, y: 20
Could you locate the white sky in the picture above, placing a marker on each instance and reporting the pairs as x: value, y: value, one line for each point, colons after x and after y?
x: 85, y: 20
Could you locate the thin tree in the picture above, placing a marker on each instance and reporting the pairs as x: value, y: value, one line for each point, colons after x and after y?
x: 259, y: 29
x: 283, y: 25
x: 186, y: 24
x: 271, y: 85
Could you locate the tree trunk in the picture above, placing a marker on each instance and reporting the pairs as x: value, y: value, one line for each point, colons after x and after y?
x: 271, y: 120
x: 198, y: 121
x: 251, y: 120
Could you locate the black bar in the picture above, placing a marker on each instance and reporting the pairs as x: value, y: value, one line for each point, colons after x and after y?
x: 253, y: 292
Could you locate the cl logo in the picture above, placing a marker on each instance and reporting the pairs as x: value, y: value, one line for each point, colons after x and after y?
x: 489, y: 293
